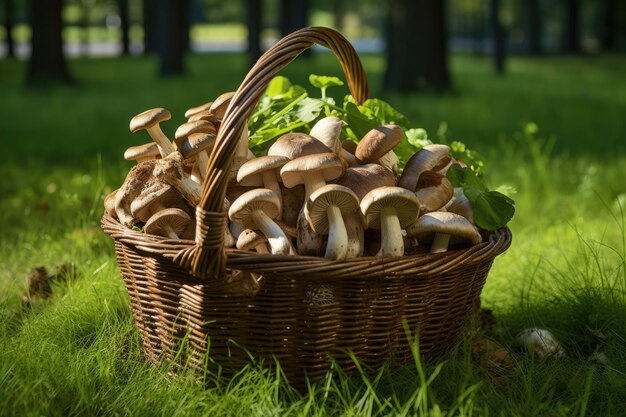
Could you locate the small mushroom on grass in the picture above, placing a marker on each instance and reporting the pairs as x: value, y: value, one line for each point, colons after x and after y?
x: 170, y: 222
x: 255, y: 210
x: 390, y: 209
x: 149, y: 121
x: 325, y: 209
x: 440, y: 227
x: 541, y: 342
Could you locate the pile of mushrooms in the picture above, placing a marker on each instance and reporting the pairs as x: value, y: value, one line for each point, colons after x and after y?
x: 311, y: 194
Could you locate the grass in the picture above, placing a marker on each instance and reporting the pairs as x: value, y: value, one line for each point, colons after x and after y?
x: 78, y: 354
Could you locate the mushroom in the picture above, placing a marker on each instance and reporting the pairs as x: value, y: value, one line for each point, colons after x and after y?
x: 195, y: 110
x: 220, y: 104
x: 255, y: 210
x: 130, y: 189
x: 328, y: 130
x: 170, y: 171
x: 170, y: 222
x: 149, y: 120
x: 242, y: 155
x: 142, y: 153
x: 362, y: 179
x: 390, y: 209
x: 189, y: 128
x: 325, y: 209
x: 433, y: 191
x: 429, y: 158
x: 440, y: 226
x: 295, y: 145
x: 541, y: 342
x: 460, y: 205
x: 154, y: 197
x: 311, y: 170
x: 263, y: 172
x: 109, y: 204
x: 204, y: 115
x: 379, y: 142
x: 197, y: 145
x: 249, y: 239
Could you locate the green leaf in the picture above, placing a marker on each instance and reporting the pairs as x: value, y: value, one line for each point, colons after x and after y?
x: 418, y: 138
x: 309, y: 109
x: 357, y: 121
x: 278, y: 86
x: 383, y: 112
x: 492, y: 209
x: 323, y: 81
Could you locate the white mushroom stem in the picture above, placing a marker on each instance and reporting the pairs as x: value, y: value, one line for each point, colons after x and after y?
x: 354, y: 229
x: 312, y: 181
x: 337, y: 246
x: 169, y: 232
x: 440, y: 243
x: 270, y: 181
x: 165, y: 145
x: 279, y: 243
x: 391, y: 243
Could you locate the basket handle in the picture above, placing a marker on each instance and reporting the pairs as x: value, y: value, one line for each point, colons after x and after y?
x: 207, y: 258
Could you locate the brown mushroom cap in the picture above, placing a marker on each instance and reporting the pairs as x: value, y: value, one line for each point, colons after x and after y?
x: 166, y: 222
x: 324, y: 197
x: 196, y: 143
x: 327, y: 130
x: 204, y: 115
x: 195, y: 110
x: 154, y: 197
x: 405, y: 203
x: 251, y: 173
x: 445, y: 223
x: 295, y: 145
x: 426, y: 159
x: 189, y: 128
x: 250, y: 239
x: 433, y: 191
x: 142, y: 152
x: 220, y: 104
x: 327, y: 164
x: 460, y: 205
x: 364, y: 178
x: 149, y: 118
x: 259, y: 199
x: 377, y: 142
x: 349, y: 146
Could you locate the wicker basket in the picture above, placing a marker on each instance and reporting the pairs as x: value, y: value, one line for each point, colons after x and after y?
x: 189, y: 296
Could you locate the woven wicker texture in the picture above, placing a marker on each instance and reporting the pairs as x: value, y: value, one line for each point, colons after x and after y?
x: 193, y: 298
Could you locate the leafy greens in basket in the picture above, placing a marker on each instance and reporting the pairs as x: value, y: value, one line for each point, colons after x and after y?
x: 286, y: 107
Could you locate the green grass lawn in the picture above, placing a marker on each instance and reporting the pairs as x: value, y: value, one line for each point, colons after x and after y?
x: 78, y: 353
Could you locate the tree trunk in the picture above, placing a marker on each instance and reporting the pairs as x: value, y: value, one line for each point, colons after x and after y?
x: 571, y: 35
x: 293, y: 15
x: 150, y: 40
x: 416, y: 45
x: 8, y: 26
x: 171, y: 23
x: 124, y: 25
x: 498, y: 36
x: 47, y: 62
x: 609, y: 25
x: 254, y: 30
x: 534, y: 27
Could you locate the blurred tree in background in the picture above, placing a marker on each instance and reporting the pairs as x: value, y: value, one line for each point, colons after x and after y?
x: 47, y: 62
x: 169, y: 29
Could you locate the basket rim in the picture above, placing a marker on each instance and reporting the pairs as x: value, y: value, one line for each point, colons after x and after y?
x: 270, y: 265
